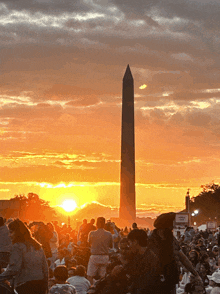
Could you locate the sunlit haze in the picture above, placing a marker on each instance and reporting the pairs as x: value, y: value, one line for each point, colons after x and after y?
x: 69, y: 205
x: 62, y: 64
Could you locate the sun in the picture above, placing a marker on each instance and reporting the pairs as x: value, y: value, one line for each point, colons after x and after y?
x: 69, y: 205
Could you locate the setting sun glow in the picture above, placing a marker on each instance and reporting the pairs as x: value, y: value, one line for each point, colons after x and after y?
x: 69, y: 205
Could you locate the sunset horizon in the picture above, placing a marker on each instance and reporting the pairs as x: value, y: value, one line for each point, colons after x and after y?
x: 61, y: 99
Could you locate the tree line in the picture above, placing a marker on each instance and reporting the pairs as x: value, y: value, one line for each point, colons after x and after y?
x: 32, y: 207
x: 207, y: 203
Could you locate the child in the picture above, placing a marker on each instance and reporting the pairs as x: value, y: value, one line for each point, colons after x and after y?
x: 79, y: 280
x: 61, y: 285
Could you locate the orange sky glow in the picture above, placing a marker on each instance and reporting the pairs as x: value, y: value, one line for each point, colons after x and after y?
x: 60, y: 99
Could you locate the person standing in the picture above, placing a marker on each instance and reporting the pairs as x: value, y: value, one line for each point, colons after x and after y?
x: 5, y: 244
x: 86, y: 230
x: 5, y: 241
x: 27, y: 261
x: 91, y: 227
x: 166, y: 247
x: 54, y: 244
x: 134, y: 226
x: 43, y: 236
x: 100, y: 241
x: 143, y: 266
x: 81, y: 238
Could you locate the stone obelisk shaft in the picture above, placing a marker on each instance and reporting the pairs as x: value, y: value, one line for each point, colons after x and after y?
x: 127, y: 210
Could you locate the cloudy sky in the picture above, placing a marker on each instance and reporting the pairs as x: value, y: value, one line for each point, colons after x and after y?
x: 62, y: 64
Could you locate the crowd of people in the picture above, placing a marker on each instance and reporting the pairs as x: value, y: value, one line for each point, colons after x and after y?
x: 100, y: 258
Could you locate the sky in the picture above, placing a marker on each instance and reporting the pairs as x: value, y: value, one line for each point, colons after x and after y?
x: 61, y: 70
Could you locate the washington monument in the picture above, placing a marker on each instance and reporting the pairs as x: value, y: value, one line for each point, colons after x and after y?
x: 127, y: 210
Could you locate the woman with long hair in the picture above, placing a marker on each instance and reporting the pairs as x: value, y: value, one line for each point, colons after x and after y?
x: 27, y: 261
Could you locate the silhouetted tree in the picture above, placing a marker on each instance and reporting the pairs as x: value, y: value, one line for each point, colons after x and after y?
x: 32, y: 207
x: 207, y: 202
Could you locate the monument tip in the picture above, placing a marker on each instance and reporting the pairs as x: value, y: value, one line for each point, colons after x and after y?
x: 128, y: 74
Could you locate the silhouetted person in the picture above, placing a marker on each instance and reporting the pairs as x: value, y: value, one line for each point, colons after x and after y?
x: 82, y: 232
x: 5, y: 244
x: 134, y: 226
x: 100, y: 242
x: 166, y: 247
x: 143, y: 265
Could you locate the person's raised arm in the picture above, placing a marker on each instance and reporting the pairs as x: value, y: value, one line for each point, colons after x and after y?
x: 187, y: 263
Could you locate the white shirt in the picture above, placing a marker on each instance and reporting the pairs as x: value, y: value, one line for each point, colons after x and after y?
x: 215, y: 290
x: 81, y: 284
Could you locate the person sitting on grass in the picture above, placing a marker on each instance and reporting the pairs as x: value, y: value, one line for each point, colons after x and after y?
x: 61, y: 285
x: 215, y: 284
x: 79, y: 280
